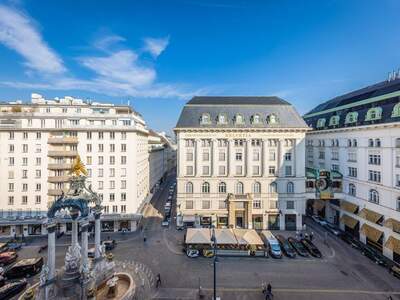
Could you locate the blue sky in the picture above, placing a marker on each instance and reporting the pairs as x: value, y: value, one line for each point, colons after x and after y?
x: 158, y: 54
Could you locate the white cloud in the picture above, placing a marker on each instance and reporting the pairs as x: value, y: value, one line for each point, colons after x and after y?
x: 106, y: 42
x: 18, y: 33
x: 156, y: 46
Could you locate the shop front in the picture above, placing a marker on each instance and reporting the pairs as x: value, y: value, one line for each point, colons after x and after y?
x: 5, y: 230
x: 222, y: 222
x: 205, y: 221
x: 374, y: 237
x: 273, y: 222
x: 35, y: 229
x: 290, y: 222
x: 257, y: 222
x: 107, y: 226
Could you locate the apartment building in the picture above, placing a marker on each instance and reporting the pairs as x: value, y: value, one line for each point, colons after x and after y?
x: 357, y: 137
x: 40, y: 139
x: 240, y: 163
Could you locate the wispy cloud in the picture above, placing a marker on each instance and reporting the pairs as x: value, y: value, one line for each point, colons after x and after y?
x: 18, y: 33
x: 156, y: 46
x: 117, y: 71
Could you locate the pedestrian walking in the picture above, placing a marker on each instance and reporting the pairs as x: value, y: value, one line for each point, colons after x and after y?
x: 311, y: 236
x: 144, y: 238
x: 158, y: 283
x: 269, y: 295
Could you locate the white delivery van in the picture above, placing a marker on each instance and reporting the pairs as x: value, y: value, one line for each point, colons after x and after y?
x: 272, y: 243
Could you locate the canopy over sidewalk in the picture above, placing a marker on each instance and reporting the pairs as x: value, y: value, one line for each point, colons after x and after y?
x: 247, y: 237
x: 198, y: 236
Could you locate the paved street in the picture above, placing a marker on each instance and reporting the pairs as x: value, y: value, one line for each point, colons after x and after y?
x: 342, y: 273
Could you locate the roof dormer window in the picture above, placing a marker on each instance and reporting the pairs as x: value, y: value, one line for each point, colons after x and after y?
x: 272, y: 119
x: 239, y: 120
x: 351, y: 117
x: 256, y: 119
x: 373, y: 114
x: 222, y: 119
x: 334, y: 120
x: 205, y: 119
x: 321, y: 123
x: 396, y: 111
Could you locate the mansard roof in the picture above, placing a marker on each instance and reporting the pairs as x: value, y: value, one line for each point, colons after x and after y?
x: 378, y: 103
x: 270, y: 112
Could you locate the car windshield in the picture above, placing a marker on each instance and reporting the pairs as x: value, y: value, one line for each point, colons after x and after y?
x: 275, y: 247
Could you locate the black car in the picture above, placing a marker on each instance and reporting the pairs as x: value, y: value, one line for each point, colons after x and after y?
x: 25, y: 268
x: 395, y: 271
x: 314, y: 251
x: 298, y: 246
x: 332, y: 229
x: 373, y: 255
x: 347, y: 238
x: 109, y: 244
x: 286, y: 247
x: 11, y: 289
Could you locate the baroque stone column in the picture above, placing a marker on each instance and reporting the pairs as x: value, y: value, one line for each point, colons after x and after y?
x: 74, y: 233
x: 97, y: 231
x: 84, y: 242
x: 51, y: 250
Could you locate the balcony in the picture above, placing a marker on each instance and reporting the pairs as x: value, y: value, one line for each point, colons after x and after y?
x: 58, y: 178
x: 54, y: 192
x: 59, y: 166
x: 71, y: 153
x: 63, y: 140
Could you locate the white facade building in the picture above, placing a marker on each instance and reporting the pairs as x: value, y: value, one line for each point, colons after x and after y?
x: 358, y: 135
x: 38, y: 142
x: 241, y: 163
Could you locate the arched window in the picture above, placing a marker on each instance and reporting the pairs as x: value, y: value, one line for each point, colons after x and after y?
x: 352, y: 190
x: 273, y: 187
x: 290, y: 188
x: 189, y: 188
x: 374, y: 113
x: 321, y: 123
x: 397, y: 143
x: 257, y: 188
x: 222, y: 119
x: 334, y: 120
x: 239, y: 188
x: 373, y: 196
x: 354, y: 143
x: 396, y: 111
x: 370, y: 142
x: 351, y: 117
x: 272, y: 119
x: 255, y: 119
x: 222, y: 188
x: 239, y: 119
x: 205, y: 118
x: 377, y: 143
x: 205, y: 188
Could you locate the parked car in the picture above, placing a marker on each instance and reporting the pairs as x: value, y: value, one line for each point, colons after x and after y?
x: 319, y: 220
x: 179, y: 223
x: 92, y: 252
x: 165, y: 222
x: 25, y: 268
x: 192, y: 253
x: 272, y: 243
x: 287, y: 249
x: 373, y: 255
x: 8, y: 257
x: 109, y: 244
x: 332, y: 229
x: 298, y: 246
x: 395, y: 271
x: 347, y: 238
x: 11, y: 289
x: 14, y: 246
x: 314, y: 251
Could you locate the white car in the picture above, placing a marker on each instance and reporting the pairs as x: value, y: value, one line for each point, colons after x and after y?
x: 319, y: 220
x: 192, y: 253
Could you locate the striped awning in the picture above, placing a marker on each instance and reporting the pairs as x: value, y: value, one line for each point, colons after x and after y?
x: 392, y: 224
x: 371, y: 233
x: 370, y: 215
x: 393, y: 244
x: 348, y: 206
x: 349, y: 221
x: 319, y: 204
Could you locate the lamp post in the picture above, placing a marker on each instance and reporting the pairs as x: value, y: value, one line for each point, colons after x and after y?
x: 214, y: 240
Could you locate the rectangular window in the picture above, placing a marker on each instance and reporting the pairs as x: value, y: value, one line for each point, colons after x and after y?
x: 38, y: 187
x: 352, y: 172
x: 272, y: 155
x: 24, y: 174
x: 100, y: 185
x: 288, y: 171
x: 38, y: 199
x: 101, y: 135
x: 38, y: 161
x: 374, y: 159
x: 100, y: 160
x: 288, y: 156
x: 24, y: 148
x: 112, y: 184
x: 38, y: 173
x: 256, y: 155
x: 222, y: 204
x: 206, y: 156
x: 189, y: 143
x: 11, y: 161
x: 112, y: 134
x: 88, y: 160
x: 101, y: 172
x: 374, y: 176
x: 189, y: 170
x: 112, y: 160
x: 256, y: 204
x: 112, y: 197
x: 123, y: 147
x: 24, y: 161
x: 273, y: 204
x: 352, y: 156
x: 221, y: 156
x: 221, y: 170
x: 239, y: 156
x: 271, y: 170
x: 88, y: 135
x: 11, y: 174
x: 335, y: 155
x: 239, y: 170
x: 88, y: 147
x: 123, y: 160
x: 239, y: 143
x: 24, y: 200
x: 290, y: 204
x: 123, y: 209
x: 123, y: 196
x: 112, y: 147
x: 398, y: 180
x: 205, y: 204
x: 115, y: 208
x: 123, y: 184
x: 112, y: 172
x: 10, y: 200
x: 189, y: 204
x: 256, y: 142
x: 123, y: 172
x: 11, y: 187
x: 256, y: 170
x: 123, y: 135
x: 11, y: 148
x: 189, y: 156
x: 206, y: 170
x: 205, y: 143
x: 321, y: 155
x: 335, y: 167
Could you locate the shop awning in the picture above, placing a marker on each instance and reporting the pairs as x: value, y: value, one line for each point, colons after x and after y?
x: 319, y: 204
x: 348, y: 206
x: 225, y: 237
x: 188, y: 218
x: 371, y: 233
x: 370, y: 215
x: 349, y: 221
x: 393, y: 244
x: 247, y: 237
x: 392, y: 224
x: 198, y: 236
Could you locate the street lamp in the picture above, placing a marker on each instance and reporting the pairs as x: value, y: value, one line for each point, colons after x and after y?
x: 214, y: 240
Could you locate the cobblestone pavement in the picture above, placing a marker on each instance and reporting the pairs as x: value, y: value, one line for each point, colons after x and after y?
x: 342, y: 273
